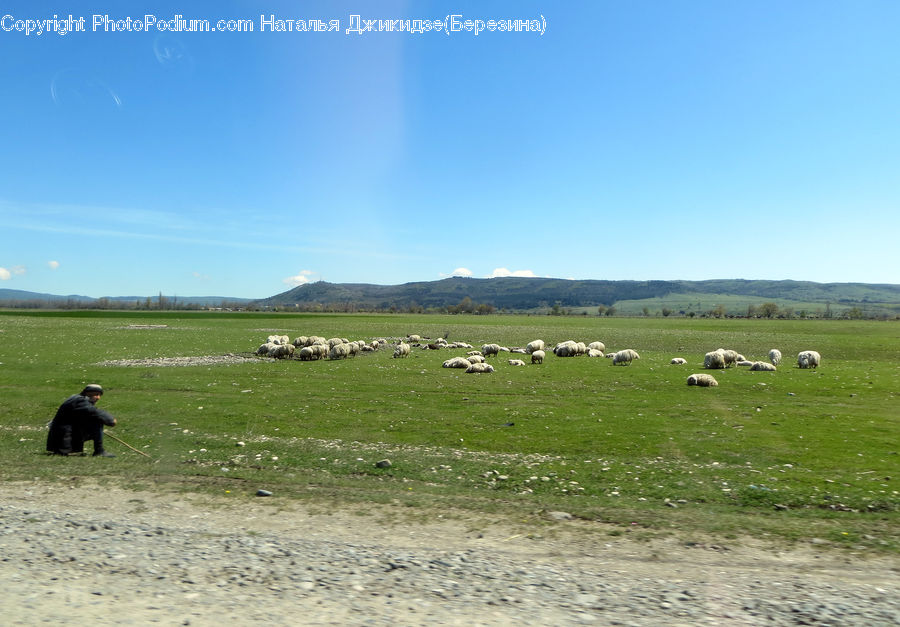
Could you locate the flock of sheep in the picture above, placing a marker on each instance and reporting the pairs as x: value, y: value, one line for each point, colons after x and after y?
x: 311, y: 348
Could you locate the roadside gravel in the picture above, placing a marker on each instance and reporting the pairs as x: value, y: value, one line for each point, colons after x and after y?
x: 69, y: 554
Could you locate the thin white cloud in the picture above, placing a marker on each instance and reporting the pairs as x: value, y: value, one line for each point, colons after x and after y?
x: 53, y: 265
x: 18, y: 270
x: 459, y: 272
x: 200, y: 276
x: 5, y: 275
x: 499, y: 272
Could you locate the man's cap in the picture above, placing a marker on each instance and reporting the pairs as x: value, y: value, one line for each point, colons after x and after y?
x: 92, y: 388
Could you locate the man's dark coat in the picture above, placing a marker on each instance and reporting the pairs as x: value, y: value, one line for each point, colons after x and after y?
x: 77, y: 420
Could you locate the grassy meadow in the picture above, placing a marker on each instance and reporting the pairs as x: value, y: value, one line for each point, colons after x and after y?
x: 793, y: 455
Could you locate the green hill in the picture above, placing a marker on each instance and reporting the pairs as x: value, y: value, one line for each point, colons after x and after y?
x: 521, y: 294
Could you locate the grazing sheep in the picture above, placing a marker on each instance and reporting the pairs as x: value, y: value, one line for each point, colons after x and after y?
x: 600, y: 346
x: 478, y: 368
x: 714, y: 359
x: 569, y: 348
x: 402, y: 350
x: 678, y: 361
x: 731, y: 357
x: 703, y: 380
x: 537, y: 357
x: 534, y: 345
x: 594, y: 352
x: 808, y: 359
x: 625, y: 356
x: 762, y: 366
x: 278, y: 339
x: 264, y: 348
x: 490, y: 349
x: 307, y: 354
x: 339, y: 351
x: 516, y: 362
x: 300, y: 341
x: 456, y: 362
x: 775, y: 356
x: 281, y: 351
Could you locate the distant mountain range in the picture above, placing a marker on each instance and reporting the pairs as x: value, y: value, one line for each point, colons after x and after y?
x: 527, y: 294
x: 21, y: 296
x: 523, y: 294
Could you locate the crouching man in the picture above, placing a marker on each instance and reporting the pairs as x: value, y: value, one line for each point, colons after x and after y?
x: 78, y: 420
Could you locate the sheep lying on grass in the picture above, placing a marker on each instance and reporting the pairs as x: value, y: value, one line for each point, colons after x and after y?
x: 600, y: 346
x: 456, y: 362
x: 677, y: 361
x: 808, y: 359
x: 762, y: 366
x: 703, y: 380
x: 516, y: 362
x: 594, y: 352
x: 480, y: 368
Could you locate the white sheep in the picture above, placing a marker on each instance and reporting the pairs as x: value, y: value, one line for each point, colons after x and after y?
x: 264, y: 348
x: 731, y: 357
x: 745, y: 362
x: 714, y: 359
x: 600, y: 346
x: 278, y: 339
x: 339, y: 351
x: 775, y: 356
x: 594, y: 352
x: 808, y: 359
x: 569, y: 348
x: 414, y: 339
x: 456, y: 362
x: 402, y: 350
x: 490, y: 349
x: 534, y: 345
x: 537, y: 357
x: 703, y: 380
x: 762, y: 366
x: 677, y: 361
x: 625, y: 356
x: 516, y: 362
x: 479, y: 368
x: 281, y: 351
x: 477, y: 358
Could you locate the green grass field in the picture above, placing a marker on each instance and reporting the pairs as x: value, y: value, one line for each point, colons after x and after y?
x: 790, y: 455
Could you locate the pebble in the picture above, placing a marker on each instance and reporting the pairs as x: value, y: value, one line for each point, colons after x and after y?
x: 61, y: 567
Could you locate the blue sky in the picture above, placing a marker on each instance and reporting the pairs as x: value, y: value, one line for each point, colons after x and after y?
x: 631, y: 140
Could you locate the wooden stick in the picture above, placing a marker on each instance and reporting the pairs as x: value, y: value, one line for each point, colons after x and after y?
x: 126, y: 444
